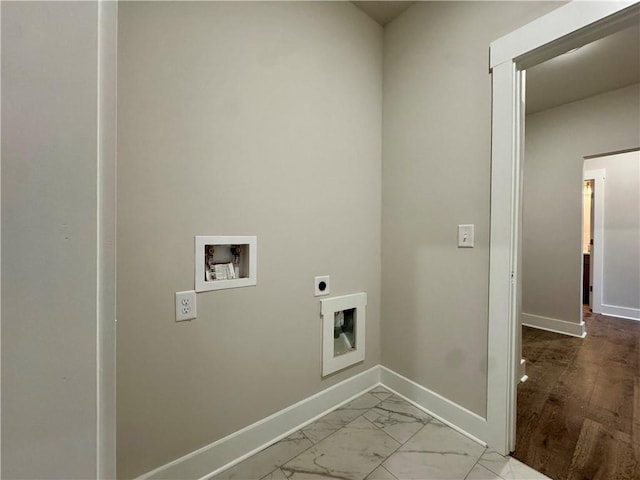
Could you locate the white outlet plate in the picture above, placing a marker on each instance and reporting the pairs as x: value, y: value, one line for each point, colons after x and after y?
x: 186, y: 305
x: 318, y: 283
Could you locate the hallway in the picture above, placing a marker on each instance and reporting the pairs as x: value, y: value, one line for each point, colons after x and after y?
x: 579, y: 411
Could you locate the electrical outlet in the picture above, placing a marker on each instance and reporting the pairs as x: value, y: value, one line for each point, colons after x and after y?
x: 321, y: 286
x: 185, y: 305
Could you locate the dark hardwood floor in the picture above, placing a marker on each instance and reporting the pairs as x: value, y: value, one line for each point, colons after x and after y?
x: 579, y: 411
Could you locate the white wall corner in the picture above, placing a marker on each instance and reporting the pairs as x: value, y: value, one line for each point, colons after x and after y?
x: 554, y: 325
x: 457, y: 417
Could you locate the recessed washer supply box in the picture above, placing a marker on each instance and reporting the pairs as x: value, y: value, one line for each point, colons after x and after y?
x: 225, y: 262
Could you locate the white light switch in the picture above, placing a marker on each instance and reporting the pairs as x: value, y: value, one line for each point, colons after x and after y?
x: 465, y: 236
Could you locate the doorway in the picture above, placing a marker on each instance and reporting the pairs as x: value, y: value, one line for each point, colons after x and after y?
x: 593, y: 226
x: 587, y: 243
x: 616, y: 258
x: 564, y: 372
x: 579, y: 393
x: 568, y: 27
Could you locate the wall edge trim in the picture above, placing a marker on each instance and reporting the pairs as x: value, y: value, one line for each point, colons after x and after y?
x: 554, y: 325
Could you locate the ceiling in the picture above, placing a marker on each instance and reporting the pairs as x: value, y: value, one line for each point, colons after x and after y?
x: 383, y: 12
x: 607, y: 64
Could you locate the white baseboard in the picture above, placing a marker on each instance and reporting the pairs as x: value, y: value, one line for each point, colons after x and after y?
x: 554, y: 325
x: 457, y: 417
x: 622, y: 312
x: 232, y: 449
x: 222, y: 454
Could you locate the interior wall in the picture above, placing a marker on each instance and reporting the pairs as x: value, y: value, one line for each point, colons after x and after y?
x: 556, y: 142
x: 106, y: 275
x: 236, y: 118
x: 436, y: 175
x: 50, y: 248
x: 621, y: 272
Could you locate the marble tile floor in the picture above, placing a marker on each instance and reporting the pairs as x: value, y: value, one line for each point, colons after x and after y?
x: 378, y: 436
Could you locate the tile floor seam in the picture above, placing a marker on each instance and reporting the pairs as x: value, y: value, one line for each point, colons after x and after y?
x: 385, y: 433
x: 477, y: 463
x: 324, y: 438
x: 376, y: 426
x: 379, y: 428
x: 300, y: 453
x: 362, y: 415
x: 304, y: 435
x: 370, y: 469
x: 500, y: 477
x: 270, y: 474
x: 340, y: 407
x: 430, y: 420
x: 386, y: 470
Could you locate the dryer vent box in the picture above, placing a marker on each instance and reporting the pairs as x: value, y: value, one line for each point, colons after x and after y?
x: 343, y: 331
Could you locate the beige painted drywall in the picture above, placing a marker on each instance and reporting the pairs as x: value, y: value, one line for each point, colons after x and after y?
x: 557, y: 140
x: 436, y: 166
x: 107, y: 130
x: 56, y: 163
x: 621, y: 272
x: 239, y: 119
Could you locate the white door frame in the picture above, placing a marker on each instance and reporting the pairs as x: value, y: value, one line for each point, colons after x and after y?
x: 597, y: 249
x: 570, y: 26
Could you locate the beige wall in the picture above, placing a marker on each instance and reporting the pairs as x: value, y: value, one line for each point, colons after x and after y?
x: 436, y: 165
x: 53, y: 315
x: 239, y: 119
x: 557, y: 140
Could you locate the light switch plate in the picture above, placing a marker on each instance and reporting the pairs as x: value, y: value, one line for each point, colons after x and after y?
x: 465, y: 236
x: 185, y: 305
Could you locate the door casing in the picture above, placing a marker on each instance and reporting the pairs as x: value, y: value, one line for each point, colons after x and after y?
x: 570, y: 26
